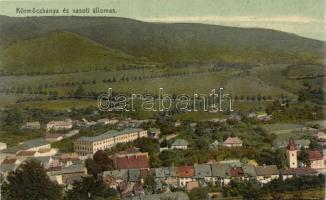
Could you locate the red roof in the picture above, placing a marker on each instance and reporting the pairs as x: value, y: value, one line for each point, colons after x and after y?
x: 315, y: 155
x: 185, y: 171
x: 25, y: 153
x: 9, y: 161
x: 291, y: 146
x: 132, y: 162
x: 236, y: 171
x: 299, y: 171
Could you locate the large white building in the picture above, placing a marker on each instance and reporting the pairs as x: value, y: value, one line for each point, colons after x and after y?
x: 89, y: 145
x: 59, y: 125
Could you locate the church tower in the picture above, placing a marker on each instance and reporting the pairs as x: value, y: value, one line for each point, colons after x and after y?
x: 292, y: 154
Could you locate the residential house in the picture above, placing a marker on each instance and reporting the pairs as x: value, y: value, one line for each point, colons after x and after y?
x: 106, y: 121
x: 192, y: 185
x: 71, y: 133
x: 153, y: 133
x: 266, y: 173
x: 316, y: 159
x: 203, y: 173
x: 220, y: 174
x: 321, y: 136
x: 35, y: 145
x: 296, y: 172
x: 236, y: 173
x: 179, y: 144
x: 249, y: 172
x: 134, y: 175
x: 53, y: 137
x: 185, y: 174
x: 73, y: 173
x: 233, y: 142
x: 3, y: 146
x: 59, y: 125
x: 32, y: 125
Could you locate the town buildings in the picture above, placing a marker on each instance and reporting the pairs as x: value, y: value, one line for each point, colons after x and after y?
x: 131, y: 159
x: 179, y: 144
x: 89, y: 145
x: 32, y: 125
x: 233, y: 142
x: 59, y: 125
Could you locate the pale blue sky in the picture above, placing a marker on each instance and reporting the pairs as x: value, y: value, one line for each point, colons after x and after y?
x: 302, y: 17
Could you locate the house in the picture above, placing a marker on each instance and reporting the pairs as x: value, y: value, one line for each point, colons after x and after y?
x: 179, y: 144
x: 295, y: 172
x: 192, y: 185
x: 266, y: 173
x: 71, y: 133
x: 249, y: 172
x: 153, y: 133
x: 32, y: 125
x: 106, y: 121
x: 233, y: 142
x: 53, y: 137
x: 321, y: 136
x: 203, y: 173
x: 167, y: 175
x: 55, y: 174
x: 220, y: 174
x: 118, y: 175
x: 35, y: 145
x: 59, y: 125
x: 73, y: 173
x: 214, y: 145
x: 134, y: 175
x: 316, y: 159
x: 3, y: 146
x: 67, y: 159
x: 185, y: 174
x: 131, y: 159
x: 236, y: 173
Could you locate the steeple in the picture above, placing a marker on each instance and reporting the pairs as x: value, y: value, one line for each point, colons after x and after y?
x: 291, y: 145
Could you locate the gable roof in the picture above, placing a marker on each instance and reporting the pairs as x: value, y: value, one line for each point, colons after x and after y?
x: 185, y: 171
x: 220, y: 170
x: 266, y: 170
x: 298, y: 171
x: 132, y: 162
x: 180, y: 142
x: 315, y: 155
x: 34, y: 143
x: 233, y: 140
x: 202, y: 171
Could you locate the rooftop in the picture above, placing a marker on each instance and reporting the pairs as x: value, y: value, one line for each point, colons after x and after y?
x: 109, y: 134
x: 315, y: 155
x: 34, y: 143
x: 233, y: 140
x: 185, y: 171
x: 266, y: 170
x: 180, y: 142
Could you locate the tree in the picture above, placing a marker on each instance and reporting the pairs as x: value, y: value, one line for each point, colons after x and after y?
x: 30, y: 182
x: 304, y: 157
x: 80, y: 92
x: 103, y: 161
x: 93, y: 168
x: 149, y: 183
x: 90, y: 188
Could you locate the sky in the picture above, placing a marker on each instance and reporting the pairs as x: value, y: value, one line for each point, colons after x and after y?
x: 302, y: 17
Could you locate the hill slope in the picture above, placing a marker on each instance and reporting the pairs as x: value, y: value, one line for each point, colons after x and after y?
x: 171, y: 42
x: 58, y: 52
